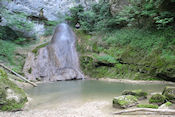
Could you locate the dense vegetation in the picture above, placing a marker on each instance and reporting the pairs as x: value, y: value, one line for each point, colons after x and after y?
x: 136, y: 43
x: 138, y: 13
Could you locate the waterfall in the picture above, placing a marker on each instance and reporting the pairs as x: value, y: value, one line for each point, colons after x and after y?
x: 58, y: 60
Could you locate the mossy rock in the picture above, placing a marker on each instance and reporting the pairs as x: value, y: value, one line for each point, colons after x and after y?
x: 138, y: 93
x: 169, y: 93
x: 157, y: 99
x: 125, y: 101
x: 147, y: 106
x: 166, y: 105
x: 12, y: 98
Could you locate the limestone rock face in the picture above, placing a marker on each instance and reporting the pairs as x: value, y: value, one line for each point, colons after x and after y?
x: 125, y: 101
x: 58, y: 60
x: 50, y: 10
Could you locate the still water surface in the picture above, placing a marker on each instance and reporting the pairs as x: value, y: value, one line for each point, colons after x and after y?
x: 48, y: 95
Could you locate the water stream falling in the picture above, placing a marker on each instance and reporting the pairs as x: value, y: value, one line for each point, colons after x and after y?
x: 57, y: 61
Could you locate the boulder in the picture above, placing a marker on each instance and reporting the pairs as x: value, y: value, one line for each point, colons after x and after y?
x: 125, y: 101
x: 157, y: 99
x: 166, y: 105
x: 138, y: 93
x: 12, y: 98
x: 169, y: 93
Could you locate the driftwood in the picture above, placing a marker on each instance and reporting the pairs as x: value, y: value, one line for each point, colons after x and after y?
x: 147, y: 110
x: 18, y: 75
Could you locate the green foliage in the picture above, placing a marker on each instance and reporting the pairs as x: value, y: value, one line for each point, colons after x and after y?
x: 20, y: 40
x: 3, y: 74
x: 168, y: 104
x: 49, y: 26
x: 147, y: 106
x: 7, y: 51
x: 150, y: 13
x: 92, y: 19
x: 6, y: 33
x: 140, y: 13
x: 16, y: 25
x: 105, y: 59
x: 8, y: 55
x: 75, y: 14
x: 17, y: 20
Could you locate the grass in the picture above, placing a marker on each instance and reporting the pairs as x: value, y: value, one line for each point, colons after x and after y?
x: 7, y: 49
x: 147, y: 106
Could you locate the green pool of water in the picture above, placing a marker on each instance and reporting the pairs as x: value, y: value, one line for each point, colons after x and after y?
x: 79, y: 92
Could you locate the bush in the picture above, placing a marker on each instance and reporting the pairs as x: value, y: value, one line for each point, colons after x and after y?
x: 149, y: 13
x: 6, y: 33
x: 74, y: 16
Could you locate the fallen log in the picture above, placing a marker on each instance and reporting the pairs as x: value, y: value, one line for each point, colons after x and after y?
x: 18, y: 75
x: 158, y: 111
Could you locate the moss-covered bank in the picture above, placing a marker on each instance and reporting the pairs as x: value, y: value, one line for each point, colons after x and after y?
x: 129, y: 53
x: 12, y: 98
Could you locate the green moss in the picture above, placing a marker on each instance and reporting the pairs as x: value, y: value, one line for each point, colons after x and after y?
x: 138, y: 93
x: 147, y: 106
x: 38, y: 47
x: 10, y: 104
x: 168, y: 104
x: 124, y: 101
x: 157, y: 99
x: 169, y: 93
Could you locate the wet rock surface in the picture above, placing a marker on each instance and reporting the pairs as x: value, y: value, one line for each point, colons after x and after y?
x: 58, y: 60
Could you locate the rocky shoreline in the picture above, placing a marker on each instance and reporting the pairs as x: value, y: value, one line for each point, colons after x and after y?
x: 136, y: 81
